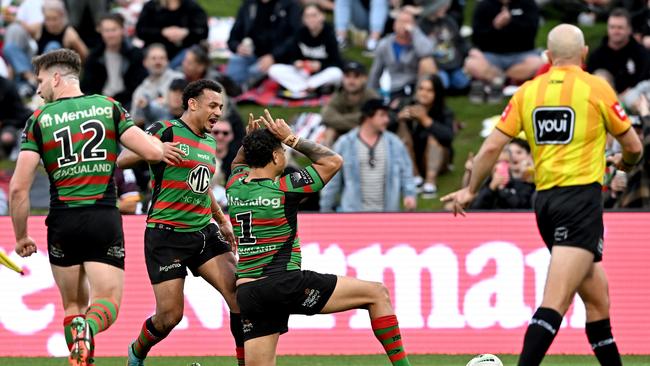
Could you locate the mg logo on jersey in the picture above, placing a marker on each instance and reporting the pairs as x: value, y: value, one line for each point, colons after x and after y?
x: 553, y: 125
x: 199, y: 179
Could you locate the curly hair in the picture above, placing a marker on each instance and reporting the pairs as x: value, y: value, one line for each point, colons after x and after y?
x: 259, y: 146
x: 195, y: 89
x: 64, y: 58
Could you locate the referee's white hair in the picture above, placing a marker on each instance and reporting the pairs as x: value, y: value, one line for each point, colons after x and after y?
x: 566, y: 42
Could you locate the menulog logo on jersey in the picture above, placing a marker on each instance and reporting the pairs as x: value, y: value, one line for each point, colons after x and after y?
x: 65, y: 117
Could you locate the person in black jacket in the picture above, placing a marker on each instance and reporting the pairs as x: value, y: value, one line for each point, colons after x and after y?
x: 13, y: 115
x: 312, y: 59
x: 177, y: 24
x: 114, y: 68
x: 504, y: 39
x: 620, y: 54
x: 425, y: 125
x: 260, y: 30
x: 510, y: 186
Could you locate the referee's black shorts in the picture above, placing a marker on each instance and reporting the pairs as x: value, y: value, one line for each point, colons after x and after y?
x: 572, y: 216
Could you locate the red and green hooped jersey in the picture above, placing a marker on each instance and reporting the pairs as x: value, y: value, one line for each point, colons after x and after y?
x: 180, y: 192
x: 77, y: 139
x: 264, y: 215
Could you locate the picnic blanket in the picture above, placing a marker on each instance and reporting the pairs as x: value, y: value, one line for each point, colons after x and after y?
x: 266, y: 94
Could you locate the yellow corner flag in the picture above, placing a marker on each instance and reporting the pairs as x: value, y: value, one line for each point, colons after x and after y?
x: 5, y: 261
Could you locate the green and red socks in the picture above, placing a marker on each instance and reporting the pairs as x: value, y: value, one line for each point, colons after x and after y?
x: 149, y: 337
x: 387, y: 332
x: 101, y: 314
x: 67, y: 329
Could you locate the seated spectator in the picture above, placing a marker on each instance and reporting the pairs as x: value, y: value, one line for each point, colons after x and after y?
x: 343, y: 111
x: 52, y: 34
x: 226, y: 151
x: 311, y: 59
x: 21, y: 28
x: 129, y: 199
x: 196, y: 65
x: 425, y: 125
x: 504, y: 40
x: 620, y: 54
x: 363, y: 14
x: 85, y: 16
x: 405, y: 55
x: 510, y: 186
x: 177, y: 24
x: 154, y: 86
x: 260, y: 30
x: 114, y: 68
x: 171, y: 108
x: 13, y: 115
x: 632, y: 190
x: 376, y: 174
x: 449, y: 47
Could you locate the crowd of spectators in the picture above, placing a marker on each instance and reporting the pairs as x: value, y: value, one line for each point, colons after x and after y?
x: 389, y: 121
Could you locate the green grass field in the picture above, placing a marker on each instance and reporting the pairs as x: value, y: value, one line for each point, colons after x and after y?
x: 374, y: 360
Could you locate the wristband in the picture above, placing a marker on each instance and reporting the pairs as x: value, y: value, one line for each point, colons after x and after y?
x: 291, y: 140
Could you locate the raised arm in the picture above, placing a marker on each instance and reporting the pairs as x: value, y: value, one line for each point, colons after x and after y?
x: 325, y: 161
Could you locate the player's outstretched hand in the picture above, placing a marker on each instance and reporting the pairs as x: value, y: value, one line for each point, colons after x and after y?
x: 278, y: 127
x: 172, y: 155
x: 253, y: 124
x: 460, y: 199
x: 26, y: 247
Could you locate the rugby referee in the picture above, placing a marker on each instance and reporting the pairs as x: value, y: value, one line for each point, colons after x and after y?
x: 566, y: 114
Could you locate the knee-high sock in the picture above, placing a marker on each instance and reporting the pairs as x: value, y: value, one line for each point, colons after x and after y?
x: 101, y: 314
x: 238, y: 334
x: 67, y: 331
x: 540, y: 334
x: 387, y: 332
x: 602, y: 342
x: 149, y: 336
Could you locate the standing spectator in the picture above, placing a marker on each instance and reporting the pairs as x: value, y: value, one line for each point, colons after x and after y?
x: 449, y: 47
x: 343, y: 111
x: 311, y: 59
x: 494, y: 59
x: 369, y: 15
x: 260, y: 30
x: 13, y: 115
x: 405, y: 55
x: 177, y: 24
x: 620, y: 54
x: 114, y: 68
x: 154, y: 86
x: 377, y: 172
x: 426, y: 126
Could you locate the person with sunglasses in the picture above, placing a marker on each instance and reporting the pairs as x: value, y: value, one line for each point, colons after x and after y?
x: 377, y: 172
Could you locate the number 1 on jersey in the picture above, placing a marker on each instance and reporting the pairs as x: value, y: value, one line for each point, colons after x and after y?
x: 245, y: 221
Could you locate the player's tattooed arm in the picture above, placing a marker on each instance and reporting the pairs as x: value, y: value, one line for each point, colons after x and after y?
x: 314, y: 151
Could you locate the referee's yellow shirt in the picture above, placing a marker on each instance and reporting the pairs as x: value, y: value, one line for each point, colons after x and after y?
x: 565, y: 114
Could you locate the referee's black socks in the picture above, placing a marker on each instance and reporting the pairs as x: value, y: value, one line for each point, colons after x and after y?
x: 602, y: 342
x: 540, y: 334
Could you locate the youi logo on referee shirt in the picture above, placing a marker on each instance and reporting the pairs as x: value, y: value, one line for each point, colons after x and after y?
x: 553, y: 125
